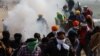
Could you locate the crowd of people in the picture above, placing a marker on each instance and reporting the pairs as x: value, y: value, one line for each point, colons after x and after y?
x: 79, y: 33
x: 56, y: 43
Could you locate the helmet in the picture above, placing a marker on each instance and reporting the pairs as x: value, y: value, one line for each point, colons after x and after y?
x: 77, y: 12
x: 55, y: 28
x: 75, y: 23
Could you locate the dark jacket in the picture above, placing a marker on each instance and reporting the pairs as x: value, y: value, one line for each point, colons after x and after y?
x: 80, y: 18
x: 70, y: 4
x: 72, y: 16
x: 53, y: 51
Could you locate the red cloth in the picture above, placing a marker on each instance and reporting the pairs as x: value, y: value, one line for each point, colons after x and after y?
x: 82, y: 35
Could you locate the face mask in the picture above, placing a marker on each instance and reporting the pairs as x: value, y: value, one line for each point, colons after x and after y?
x: 60, y: 41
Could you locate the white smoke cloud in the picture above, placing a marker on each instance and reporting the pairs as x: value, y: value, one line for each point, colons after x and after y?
x: 22, y: 19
